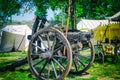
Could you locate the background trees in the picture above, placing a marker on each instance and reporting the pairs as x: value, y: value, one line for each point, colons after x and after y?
x: 8, y: 8
x: 92, y: 9
x: 11, y: 7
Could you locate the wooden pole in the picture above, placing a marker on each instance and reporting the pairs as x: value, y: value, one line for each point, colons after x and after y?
x: 21, y: 41
x: 68, y: 20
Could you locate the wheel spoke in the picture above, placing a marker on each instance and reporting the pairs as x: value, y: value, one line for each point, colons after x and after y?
x: 55, y: 72
x: 48, y: 42
x: 42, y: 42
x: 35, y: 54
x: 38, y: 47
x: 60, y: 56
x: 38, y: 62
x: 58, y: 48
x: 40, y: 72
x: 75, y: 65
x: 53, y: 44
x: 48, y: 71
x: 59, y: 64
x: 80, y: 61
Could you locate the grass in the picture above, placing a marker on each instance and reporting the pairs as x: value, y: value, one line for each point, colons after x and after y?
x: 98, y: 71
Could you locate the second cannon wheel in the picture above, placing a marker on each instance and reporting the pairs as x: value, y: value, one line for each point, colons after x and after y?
x: 83, y: 57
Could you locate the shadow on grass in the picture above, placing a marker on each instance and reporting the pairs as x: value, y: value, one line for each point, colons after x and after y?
x: 98, y: 71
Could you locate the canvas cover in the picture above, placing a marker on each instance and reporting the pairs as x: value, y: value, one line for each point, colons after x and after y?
x: 14, y: 37
x: 87, y: 24
x: 109, y: 31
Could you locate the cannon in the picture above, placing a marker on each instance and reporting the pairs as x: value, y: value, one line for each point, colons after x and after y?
x: 52, y: 55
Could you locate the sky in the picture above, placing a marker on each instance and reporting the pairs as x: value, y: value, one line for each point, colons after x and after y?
x: 30, y: 16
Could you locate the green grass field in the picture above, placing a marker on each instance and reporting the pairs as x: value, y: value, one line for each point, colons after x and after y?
x: 98, y: 71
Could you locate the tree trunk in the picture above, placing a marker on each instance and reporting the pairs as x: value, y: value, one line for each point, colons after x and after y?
x: 73, y: 14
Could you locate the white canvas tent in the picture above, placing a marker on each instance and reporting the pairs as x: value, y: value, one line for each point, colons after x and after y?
x: 87, y: 24
x: 115, y: 17
x: 14, y: 37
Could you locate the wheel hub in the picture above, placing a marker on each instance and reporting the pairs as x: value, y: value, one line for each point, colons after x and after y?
x: 47, y: 54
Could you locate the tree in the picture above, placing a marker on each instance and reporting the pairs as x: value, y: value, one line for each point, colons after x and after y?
x: 99, y: 9
x: 8, y: 8
x: 11, y: 7
x: 85, y: 8
x: 91, y: 9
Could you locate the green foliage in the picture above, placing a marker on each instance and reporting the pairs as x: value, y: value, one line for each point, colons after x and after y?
x: 8, y: 8
x: 99, y: 9
x: 92, y: 9
x: 41, y: 7
x: 11, y: 7
x: 79, y: 10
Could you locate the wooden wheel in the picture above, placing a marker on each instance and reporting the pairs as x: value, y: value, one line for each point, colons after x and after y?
x: 46, y: 56
x: 83, y: 57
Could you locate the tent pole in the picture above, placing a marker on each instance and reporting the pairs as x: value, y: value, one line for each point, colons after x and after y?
x: 68, y: 20
x: 105, y: 30
x: 21, y: 41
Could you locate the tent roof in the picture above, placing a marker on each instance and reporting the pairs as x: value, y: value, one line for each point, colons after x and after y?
x: 17, y: 29
x: 91, y: 24
x: 115, y: 17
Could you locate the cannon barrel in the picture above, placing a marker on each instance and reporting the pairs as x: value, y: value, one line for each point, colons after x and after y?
x: 77, y: 35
